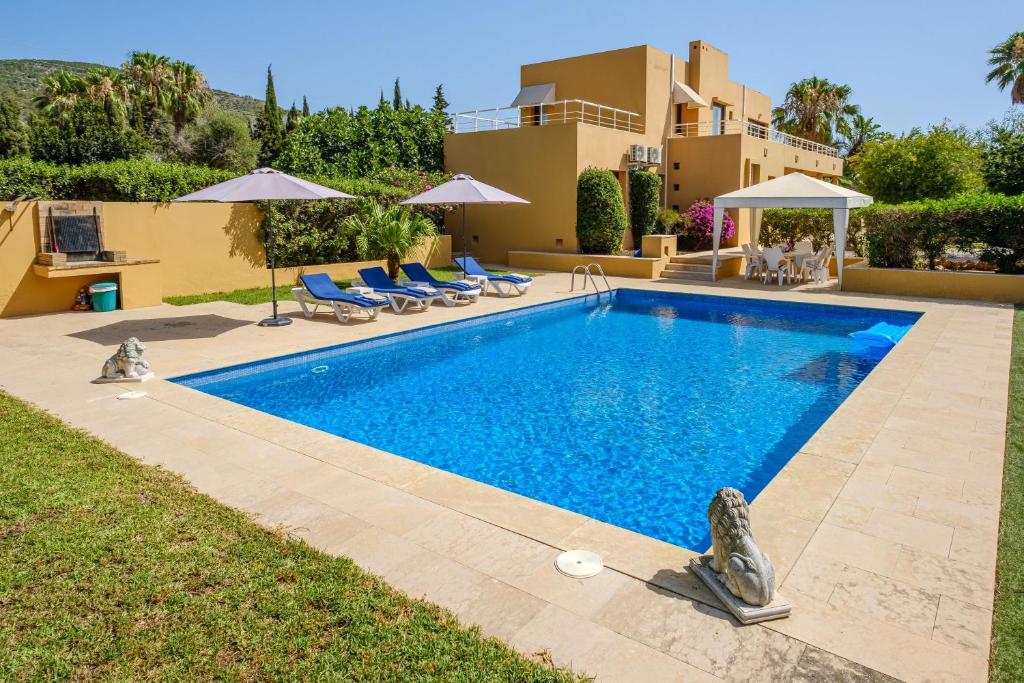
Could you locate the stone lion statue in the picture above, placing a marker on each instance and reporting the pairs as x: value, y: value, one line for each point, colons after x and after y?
x: 738, y: 562
x: 128, y: 362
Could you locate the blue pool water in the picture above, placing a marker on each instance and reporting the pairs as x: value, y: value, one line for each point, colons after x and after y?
x: 632, y: 412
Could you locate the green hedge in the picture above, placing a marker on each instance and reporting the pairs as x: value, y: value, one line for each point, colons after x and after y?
x: 644, y: 203
x: 600, y: 212
x: 915, y: 234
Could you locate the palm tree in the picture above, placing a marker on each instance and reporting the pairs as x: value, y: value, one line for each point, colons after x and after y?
x: 816, y: 109
x: 389, y: 233
x: 1008, y: 62
x: 150, y: 75
x: 111, y: 90
x: 61, y: 92
x: 862, y: 130
x: 187, y: 94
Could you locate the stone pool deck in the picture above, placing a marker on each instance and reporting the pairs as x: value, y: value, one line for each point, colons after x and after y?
x: 882, y: 528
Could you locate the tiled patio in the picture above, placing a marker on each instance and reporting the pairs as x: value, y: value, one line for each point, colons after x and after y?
x: 882, y: 528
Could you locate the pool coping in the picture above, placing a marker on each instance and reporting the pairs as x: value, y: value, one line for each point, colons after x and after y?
x: 784, y: 523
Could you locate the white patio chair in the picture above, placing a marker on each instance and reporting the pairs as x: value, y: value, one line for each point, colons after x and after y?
x: 816, y: 268
x: 775, y: 262
x: 755, y: 262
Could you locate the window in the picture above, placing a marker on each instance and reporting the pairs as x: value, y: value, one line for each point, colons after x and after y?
x: 717, y: 119
x: 675, y: 207
x: 675, y: 187
x: 675, y: 165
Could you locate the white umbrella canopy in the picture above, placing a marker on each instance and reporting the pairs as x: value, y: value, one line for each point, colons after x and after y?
x: 464, y: 189
x: 264, y: 184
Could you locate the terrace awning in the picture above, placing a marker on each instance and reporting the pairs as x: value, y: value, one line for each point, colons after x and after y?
x: 532, y: 95
x: 792, y: 191
x: 684, y: 94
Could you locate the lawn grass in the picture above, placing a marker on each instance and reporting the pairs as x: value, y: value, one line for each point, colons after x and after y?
x: 113, y: 570
x: 1008, y: 621
x: 261, y: 295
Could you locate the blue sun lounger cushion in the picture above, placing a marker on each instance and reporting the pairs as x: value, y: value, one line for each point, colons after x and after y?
x: 378, y: 279
x: 417, y: 272
x: 881, y: 334
x: 322, y: 287
x: 474, y: 268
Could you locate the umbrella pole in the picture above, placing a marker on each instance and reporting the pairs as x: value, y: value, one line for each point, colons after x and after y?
x: 465, y: 245
x: 273, y: 321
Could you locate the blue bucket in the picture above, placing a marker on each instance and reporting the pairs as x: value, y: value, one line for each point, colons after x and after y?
x: 104, y: 296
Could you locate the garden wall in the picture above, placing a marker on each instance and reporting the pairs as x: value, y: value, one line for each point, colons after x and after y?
x: 198, y: 248
x: 934, y: 283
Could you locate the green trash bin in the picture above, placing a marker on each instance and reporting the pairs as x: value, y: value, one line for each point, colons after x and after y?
x: 104, y: 296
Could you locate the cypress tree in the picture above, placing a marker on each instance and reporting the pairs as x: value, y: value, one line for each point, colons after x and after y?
x: 440, y: 103
x: 291, y: 122
x: 305, y: 107
x: 397, y: 98
x: 269, y: 127
x: 382, y: 100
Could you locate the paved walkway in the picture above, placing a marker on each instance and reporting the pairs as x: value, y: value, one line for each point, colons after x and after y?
x: 882, y: 528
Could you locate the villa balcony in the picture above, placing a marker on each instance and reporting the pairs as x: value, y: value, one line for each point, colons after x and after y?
x: 754, y: 130
x: 550, y: 114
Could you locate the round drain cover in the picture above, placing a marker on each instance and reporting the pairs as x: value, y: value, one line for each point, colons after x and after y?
x: 579, y: 564
x: 130, y: 395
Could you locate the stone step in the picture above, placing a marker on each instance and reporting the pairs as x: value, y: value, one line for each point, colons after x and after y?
x: 687, y: 275
x: 689, y: 267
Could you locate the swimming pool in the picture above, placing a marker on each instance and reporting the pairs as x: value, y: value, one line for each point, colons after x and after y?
x: 633, y: 411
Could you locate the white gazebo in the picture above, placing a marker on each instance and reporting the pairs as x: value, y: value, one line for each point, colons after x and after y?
x: 793, y: 191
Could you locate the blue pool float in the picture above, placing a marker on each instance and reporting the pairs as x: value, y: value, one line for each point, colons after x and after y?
x: 881, y: 334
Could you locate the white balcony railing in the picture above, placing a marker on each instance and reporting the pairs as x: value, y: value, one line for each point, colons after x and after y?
x: 756, y: 130
x: 563, y: 111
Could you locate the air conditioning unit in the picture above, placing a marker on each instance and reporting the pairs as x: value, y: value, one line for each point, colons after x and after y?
x: 654, y: 155
x: 637, y: 154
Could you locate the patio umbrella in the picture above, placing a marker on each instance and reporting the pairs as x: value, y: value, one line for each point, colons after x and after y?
x: 265, y: 184
x: 463, y: 189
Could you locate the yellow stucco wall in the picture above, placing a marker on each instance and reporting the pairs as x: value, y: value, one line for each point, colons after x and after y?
x: 200, y: 248
x: 935, y: 283
x: 621, y: 266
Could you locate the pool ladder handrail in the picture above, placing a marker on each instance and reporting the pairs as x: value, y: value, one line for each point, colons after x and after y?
x: 585, y: 270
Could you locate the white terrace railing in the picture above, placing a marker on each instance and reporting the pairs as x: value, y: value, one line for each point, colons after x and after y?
x: 756, y: 130
x: 563, y: 111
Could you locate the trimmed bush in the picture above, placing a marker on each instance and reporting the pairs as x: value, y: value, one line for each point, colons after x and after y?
x: 600, y: 212
x: 786, y: 226
x: 644, y: 203
x: 917, y: 234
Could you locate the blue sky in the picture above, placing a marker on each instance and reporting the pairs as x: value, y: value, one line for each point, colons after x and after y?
x: 910, y: 63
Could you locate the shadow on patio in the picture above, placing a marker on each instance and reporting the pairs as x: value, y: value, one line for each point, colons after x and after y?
x: 162, y: 329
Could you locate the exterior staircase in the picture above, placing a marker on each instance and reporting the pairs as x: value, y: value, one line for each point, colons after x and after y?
x: 694, y: 266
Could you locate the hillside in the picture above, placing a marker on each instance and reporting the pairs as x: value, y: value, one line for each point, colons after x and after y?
x: 24, y: 76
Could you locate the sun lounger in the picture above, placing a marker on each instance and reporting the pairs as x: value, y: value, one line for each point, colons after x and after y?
x: 318, y: 289
x: 415, y: 298
x: 502, y: 284
x: 451, y: 292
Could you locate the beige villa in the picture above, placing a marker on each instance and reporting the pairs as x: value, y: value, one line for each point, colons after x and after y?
x: 680, y: 116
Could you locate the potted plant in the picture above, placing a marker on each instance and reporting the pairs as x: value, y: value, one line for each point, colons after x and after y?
x: 389, y: 233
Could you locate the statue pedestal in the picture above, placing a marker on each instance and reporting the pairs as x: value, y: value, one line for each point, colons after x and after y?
x: 112, y: 380
x: 746, y: 614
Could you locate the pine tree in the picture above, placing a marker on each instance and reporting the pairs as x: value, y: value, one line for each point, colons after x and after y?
x: 305, y: 107
x: 269, y: 127
x: 291, y: 122
x: 397, y: 99
x: 440, y: 103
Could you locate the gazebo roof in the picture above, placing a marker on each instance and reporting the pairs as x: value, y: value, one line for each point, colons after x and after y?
x: 793, y: 191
